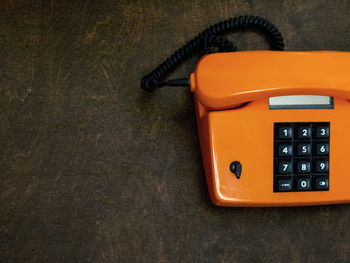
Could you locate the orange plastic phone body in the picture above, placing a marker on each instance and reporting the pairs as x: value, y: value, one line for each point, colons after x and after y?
x: 223, y: 81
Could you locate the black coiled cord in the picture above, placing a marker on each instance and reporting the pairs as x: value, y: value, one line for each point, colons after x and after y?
x: 210, y: 38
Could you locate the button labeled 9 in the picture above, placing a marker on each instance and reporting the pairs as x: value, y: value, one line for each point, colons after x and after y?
x: 322, y: 166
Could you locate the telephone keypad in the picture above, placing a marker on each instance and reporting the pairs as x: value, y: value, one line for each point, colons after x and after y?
x: 301, y: 156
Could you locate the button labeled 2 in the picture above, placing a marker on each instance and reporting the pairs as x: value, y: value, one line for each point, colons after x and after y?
x: 304, y: 132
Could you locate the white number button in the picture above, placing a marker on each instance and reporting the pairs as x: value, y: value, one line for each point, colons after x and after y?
x: 322, y: 148
x: 304, y: 167
x: 322, y: 166
x: 285, y: 167
x: 304, y: 132
x: 304, y: 149
x: 322, y: 132
x: 285, y: 150
x: 285, y: 132
x: 303, y: 184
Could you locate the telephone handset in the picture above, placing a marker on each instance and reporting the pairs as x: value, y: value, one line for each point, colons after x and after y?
x: 225, y: 80
x: 265, y: 141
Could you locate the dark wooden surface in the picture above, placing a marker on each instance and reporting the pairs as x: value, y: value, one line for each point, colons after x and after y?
x: 94, y: 170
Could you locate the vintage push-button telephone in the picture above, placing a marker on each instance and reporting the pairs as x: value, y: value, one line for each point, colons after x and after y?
x: 273, y: 125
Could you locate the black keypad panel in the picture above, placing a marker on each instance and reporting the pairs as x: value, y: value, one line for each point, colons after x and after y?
x: 301, y: 156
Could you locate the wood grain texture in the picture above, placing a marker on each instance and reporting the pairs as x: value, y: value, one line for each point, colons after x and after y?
x: 94, y: 170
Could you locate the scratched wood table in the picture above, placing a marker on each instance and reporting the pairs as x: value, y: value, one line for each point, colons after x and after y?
x: 92, y: 169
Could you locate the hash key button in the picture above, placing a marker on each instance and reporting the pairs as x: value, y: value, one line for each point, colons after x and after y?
x: 284, y: 185
x: 321, y: 184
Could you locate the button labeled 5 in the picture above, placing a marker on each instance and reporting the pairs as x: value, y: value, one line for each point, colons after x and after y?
x: 304, y: 149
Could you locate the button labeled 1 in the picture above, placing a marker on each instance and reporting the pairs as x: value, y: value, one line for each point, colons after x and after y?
x: 285, y: 132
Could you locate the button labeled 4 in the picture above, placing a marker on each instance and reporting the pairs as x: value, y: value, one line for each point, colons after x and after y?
x: 285, y: 150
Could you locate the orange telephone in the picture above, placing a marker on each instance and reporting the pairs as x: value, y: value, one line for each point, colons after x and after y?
x: 258, y: 155
x: 264, y: 140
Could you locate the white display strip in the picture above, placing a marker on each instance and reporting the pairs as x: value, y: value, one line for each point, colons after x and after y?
x: 301, y: 102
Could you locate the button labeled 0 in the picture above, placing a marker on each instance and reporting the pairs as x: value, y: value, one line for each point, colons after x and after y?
x: 303, y: 184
